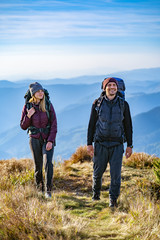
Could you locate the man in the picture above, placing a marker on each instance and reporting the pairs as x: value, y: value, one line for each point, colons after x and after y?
x: 110, y: 121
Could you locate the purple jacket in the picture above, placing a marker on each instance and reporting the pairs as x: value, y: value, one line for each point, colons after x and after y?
x: 40, y: 120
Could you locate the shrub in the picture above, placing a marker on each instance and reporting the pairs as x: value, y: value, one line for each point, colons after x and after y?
x: 81, y: 155
x: 156, y: 169
x: 140, y: 160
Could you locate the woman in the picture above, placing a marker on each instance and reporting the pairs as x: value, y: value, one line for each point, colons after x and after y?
x: 40, y: 120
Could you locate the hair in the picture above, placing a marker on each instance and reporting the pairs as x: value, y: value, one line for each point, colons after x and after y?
x: 42, y: 105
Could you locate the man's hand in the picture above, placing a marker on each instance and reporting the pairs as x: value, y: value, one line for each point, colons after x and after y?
x: 128, y: 152
x: 49, y: 146
x: 90, y: 150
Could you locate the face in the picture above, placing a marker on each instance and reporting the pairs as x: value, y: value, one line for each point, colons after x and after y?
x: 39, y: 95
x: 111, y: 89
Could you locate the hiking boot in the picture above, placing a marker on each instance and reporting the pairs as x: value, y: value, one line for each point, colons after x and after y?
x: 48, y: 194
x: 96, y: 197
x: 112, y: 203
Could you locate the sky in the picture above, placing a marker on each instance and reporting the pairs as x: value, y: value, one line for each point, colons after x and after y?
x: 46, y: 39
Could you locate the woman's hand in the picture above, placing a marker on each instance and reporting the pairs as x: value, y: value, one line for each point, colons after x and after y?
x: 49, y: 146
x: 30, y: 112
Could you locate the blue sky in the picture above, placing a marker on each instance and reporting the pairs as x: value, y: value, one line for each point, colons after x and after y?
x: 47, y: 39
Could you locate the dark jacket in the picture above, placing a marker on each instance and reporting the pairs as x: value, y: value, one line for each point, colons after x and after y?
x: 40, y: 120
x: 94, y: 118
x: 109, y: 125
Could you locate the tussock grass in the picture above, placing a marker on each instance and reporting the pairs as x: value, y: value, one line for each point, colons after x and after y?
x: 71, y: 213
x: 26, y: 214
x: 140, y: 160
x: 13, y: 165
x: 156, y: 169
x: 35, y: 219
x: 142, y: 219
x: 81, y: 155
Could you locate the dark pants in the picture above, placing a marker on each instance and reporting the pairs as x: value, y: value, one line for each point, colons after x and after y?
x: 39, y: 152
x: 102, y: 156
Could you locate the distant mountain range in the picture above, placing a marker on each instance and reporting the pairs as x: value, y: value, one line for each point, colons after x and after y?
x: 145, y: 75
x: 72, y: 100
x: 147, y: 131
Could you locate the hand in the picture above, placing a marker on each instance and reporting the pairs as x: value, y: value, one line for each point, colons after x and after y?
x: 128, y: 152
x: 30, y: 112
x: 49, y: 146
x: 90, y: 150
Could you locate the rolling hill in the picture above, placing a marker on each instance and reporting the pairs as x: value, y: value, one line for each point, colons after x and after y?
x: 72, y: 103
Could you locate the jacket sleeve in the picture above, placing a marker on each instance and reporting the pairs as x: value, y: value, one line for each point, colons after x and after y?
x: 25, y: 121
x: 128, y: 129
x: 92, y: 125
x: 53, y: 129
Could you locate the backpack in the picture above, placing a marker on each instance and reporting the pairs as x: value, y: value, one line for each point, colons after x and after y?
x: 31, y: 129
x: 121, y: 94
x: 121, y: 87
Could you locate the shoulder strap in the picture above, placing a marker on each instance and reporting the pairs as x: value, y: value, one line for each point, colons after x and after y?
x: 122, y: 105
x: 99, y: 102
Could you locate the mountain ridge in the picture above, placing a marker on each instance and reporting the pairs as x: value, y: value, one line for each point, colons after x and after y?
x: 72, y: 103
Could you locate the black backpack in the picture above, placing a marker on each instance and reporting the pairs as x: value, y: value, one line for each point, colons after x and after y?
x: 29, y: 105
x: 33, y: 130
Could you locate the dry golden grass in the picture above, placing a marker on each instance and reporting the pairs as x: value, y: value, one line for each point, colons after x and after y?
x: 26, y: 214
x: 81, y: 155
x: 140, y: 160
x: 71, y: 214
x: 13, y: 165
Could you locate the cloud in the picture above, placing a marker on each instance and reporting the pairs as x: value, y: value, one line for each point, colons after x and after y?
x: 78, y: 24
x: 40, y: 38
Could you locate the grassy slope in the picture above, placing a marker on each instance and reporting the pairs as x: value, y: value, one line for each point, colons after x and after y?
x: 71, y: 214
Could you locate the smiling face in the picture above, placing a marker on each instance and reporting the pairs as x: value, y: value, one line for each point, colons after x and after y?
x: 39, y: 95
x: 111, y: 90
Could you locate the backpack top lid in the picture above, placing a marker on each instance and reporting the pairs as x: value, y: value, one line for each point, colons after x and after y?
x: 121, y: 87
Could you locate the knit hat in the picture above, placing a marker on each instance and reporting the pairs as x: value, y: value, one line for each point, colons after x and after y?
x: 107, y: 80
x: 34, y: 87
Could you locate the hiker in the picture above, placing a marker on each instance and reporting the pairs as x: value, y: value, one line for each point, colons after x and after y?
x: 110, y: 121
x: 38, y: 116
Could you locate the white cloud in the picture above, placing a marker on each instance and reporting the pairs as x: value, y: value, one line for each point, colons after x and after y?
x: 78, y: 24
x: 91, y: 41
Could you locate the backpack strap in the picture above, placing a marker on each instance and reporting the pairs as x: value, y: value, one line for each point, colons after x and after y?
x: 122, y: 105
x: 98, y: 102
x: 33, y: 130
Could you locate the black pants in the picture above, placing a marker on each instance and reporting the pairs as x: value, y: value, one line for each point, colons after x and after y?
x: 39, y: 152
x: 103, y: 156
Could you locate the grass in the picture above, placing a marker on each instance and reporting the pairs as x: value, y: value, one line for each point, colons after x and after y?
x: 71, y: 214
x: 140, y: 160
